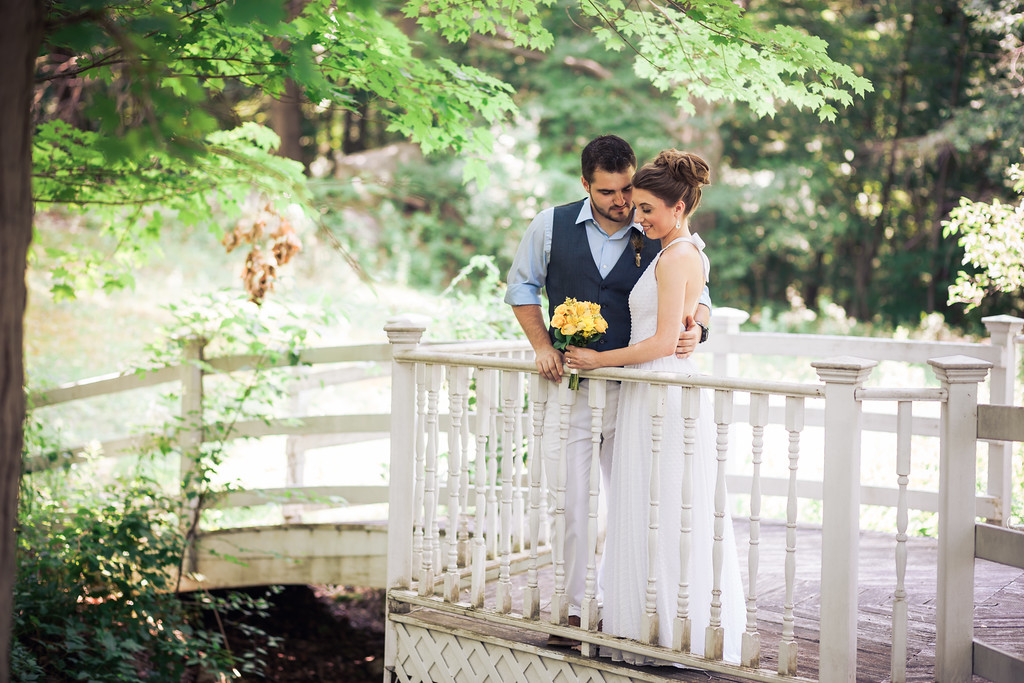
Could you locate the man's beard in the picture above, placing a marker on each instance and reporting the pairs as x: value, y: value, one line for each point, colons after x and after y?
x: 625, y: 212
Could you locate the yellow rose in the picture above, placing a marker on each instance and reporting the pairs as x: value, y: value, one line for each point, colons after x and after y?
x: 569, y: 329
x: 601, y: 325
x: 558, y: 321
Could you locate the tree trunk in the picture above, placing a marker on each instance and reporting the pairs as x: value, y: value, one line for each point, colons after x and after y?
x: 946, y: 160
x: 286, y: 111
x: 864, y: 303
x: 20, y: 36
x: 286, y: 120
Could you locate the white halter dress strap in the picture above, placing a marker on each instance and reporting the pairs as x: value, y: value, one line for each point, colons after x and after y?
x: 696, y: 241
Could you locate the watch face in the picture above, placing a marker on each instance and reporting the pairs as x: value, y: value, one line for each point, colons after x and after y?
x: 703, y: 333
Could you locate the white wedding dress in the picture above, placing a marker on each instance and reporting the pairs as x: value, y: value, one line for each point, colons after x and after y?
x: 626, y: 553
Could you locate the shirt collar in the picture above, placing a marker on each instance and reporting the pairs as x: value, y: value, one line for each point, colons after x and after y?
x: 586, y: 216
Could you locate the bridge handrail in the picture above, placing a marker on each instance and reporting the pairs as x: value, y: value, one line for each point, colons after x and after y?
x: 619, y: 374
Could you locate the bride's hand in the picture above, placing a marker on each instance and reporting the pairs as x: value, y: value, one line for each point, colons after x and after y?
x: 578, y: 358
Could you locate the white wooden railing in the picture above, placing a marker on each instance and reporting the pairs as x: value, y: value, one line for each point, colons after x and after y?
x: 432, y: 563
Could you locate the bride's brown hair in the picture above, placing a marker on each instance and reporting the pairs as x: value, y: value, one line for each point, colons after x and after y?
x: 674, y: 176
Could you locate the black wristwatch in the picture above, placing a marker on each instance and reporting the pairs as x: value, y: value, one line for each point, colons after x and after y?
x: 705, y: 331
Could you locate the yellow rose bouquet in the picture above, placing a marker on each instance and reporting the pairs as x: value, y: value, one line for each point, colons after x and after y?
x: 577, y: 323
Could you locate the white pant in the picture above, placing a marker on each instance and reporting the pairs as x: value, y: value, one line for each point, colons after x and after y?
x: 577, y: 481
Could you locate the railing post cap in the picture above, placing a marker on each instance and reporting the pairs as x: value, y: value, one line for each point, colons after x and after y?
x: 407, y: 328
x: 727, y: 315
x: 960, y: 369
x: 191, y: 339
x: 844, y: 369
x: 1005, y: 321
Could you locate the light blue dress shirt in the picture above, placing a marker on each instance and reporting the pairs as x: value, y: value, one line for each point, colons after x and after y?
x: 529, y: 268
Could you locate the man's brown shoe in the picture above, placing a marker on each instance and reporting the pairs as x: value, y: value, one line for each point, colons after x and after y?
x: 562, y: 641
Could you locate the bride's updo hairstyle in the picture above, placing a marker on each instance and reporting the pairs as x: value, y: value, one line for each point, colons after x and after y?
x: 674, y: 176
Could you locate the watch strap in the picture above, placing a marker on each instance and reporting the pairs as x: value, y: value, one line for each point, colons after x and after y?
x: 705, y: 332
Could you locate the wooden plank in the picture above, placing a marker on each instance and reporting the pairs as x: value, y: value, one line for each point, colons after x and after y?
x: 310, y: 380
x: 998, y: 544
x: 216, y: 572
x: 331, y: 354
x: 886, y: 496
x: 298, y: 495
x: 354, y: 554
x: 997, y: 665
x: 105, y: 384
x: 1001, y: 423
x: 828, y: 346
x: 313, y: 424
x: 133, y: 445
x: 815, y: 417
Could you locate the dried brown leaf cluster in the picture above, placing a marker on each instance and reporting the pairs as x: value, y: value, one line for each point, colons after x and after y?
x: 256, y: 228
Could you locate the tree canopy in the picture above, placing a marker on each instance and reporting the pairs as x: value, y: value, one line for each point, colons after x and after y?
x: 141, y: 106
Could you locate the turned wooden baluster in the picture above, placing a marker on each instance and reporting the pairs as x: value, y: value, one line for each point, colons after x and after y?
x: 714, y: 639
x: 539, y: 399
x: 559, y: 600
x: 649, y: 632
x: 690, y: 409
x: 590, y: 613
x: 904, y: 425
x: 511, y: 391
x: 788, y: 646
x: 484, y: 399
x: 458, y: 387
x: 465, y: 551
x: 430, y: 540
x: 421, y: 449
x: 750, y: 651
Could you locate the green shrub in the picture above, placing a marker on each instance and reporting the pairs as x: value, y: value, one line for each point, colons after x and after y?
x: 96, y: 596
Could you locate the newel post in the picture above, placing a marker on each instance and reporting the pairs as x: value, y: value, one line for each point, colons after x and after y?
x: 726, y: 323
x: 840, y: 528
x: 191, y: 437
x: 958, y: 431
x: 404, y: 334
x: 1002, y: 330
x: 190, y: 440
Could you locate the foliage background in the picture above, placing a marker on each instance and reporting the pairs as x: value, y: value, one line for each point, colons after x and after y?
x: 803, y: 212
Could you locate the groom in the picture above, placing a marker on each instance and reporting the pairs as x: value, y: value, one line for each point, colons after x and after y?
x: 590, y: 250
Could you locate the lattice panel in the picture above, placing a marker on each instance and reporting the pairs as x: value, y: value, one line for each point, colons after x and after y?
x: 429, y: 656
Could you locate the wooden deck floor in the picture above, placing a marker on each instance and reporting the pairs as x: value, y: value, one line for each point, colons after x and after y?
x: 998, y: 592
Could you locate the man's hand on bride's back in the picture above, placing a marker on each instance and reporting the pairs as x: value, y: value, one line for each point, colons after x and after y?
x: 688, y: 339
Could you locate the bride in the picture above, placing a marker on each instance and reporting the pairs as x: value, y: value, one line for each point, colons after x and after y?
x: 665, y: 193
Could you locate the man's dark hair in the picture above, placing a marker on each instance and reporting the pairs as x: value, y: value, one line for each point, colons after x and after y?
x: 609, y: 153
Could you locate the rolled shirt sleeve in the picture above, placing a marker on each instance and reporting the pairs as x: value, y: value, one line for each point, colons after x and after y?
x: 529, y: 268
x: 705, y: 298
